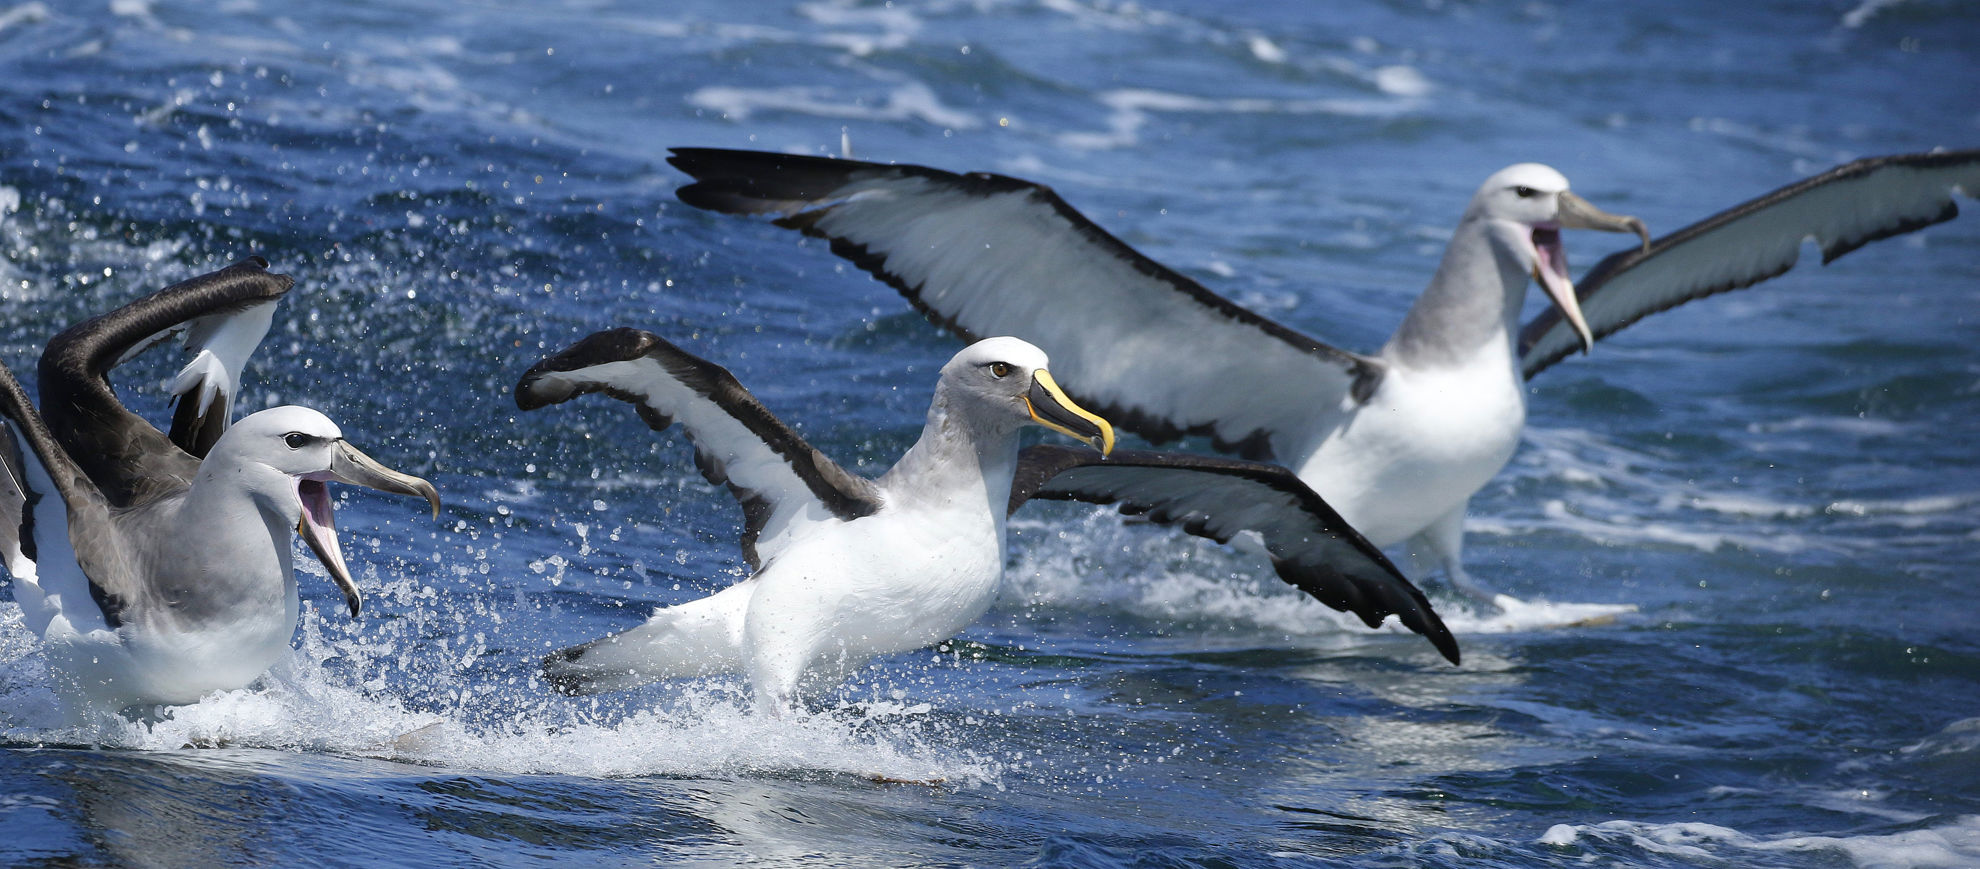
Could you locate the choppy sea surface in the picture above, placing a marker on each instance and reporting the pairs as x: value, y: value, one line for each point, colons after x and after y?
x: 1784, y: 483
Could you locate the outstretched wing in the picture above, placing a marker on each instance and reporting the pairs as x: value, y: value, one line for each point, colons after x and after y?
x: 1312, y: 547
x: 1842, y: 209
x: 780, y: 479
x: 225, y: 314
x: 68, y: 562
x: 986, y: 255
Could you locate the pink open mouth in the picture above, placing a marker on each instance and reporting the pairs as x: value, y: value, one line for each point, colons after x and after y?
x: 319, y: 530
x: 1548, y: 250
x: 1550, y: 269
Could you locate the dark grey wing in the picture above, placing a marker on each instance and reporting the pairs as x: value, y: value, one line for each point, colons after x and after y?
x: 1312, y: 547
x: 1841, y: 209
x: 987, y: 255
x: 781, y: 481
x: 226, y: 314
x: 67, y: 558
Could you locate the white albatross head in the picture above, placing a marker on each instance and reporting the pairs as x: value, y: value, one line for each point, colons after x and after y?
x: 284, y: 457
x: 1008, y: 379
x: 1528, y: 205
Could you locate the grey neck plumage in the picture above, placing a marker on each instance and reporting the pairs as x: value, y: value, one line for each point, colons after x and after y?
x: 1472, y: 306
x: 956, y: 462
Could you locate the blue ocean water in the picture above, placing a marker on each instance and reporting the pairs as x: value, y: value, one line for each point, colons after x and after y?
x: 1782, y: 482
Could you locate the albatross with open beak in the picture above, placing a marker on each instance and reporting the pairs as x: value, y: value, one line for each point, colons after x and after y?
x: 1398, y: 440
x: 157, y: 568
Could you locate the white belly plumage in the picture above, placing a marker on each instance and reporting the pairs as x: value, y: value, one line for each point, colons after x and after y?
x: 1418, y: 448
x: 883, y: 584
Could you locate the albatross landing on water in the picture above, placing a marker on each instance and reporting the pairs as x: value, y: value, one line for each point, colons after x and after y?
x: 156, y: 567
x: 847, y: 568
x: 1397, y: 440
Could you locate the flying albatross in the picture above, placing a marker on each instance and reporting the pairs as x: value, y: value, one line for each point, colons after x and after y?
x: 1397, y: 440
x: 848, y: 568
x: 156, y: 567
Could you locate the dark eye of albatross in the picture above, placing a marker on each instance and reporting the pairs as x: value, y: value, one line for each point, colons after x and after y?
x: 1525, y: 192
x: 296, y: 440
x: 1000, y: 369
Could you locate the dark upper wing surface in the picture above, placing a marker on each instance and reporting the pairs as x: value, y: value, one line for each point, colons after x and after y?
x: 227, y: 312
x: 1312, y: 547
x: 779, y: 478
x: 986, y: 255
x: 1841, y: 209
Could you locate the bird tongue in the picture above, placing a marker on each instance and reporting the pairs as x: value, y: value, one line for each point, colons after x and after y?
x: 318, y: 528
x: 1552, y: 268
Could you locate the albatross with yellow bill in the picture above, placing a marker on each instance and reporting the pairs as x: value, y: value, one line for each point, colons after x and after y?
x: 848, y: 568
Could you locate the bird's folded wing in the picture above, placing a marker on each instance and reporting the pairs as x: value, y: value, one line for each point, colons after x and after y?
x: 1312, y: 547
x: 1841, y: 209
x: 65, y: 554
x: 13, y: 503
x: 780, y: 479
x: 225, y: 315
x: 987, y: 255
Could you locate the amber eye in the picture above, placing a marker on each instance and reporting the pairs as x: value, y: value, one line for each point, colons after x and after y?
x: 1000, y: 369
x: 296, y: 440
x: 1525, y: 192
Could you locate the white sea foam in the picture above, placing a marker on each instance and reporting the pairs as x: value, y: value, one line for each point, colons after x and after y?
x: 1952, y: 844
x: 1961, y: 737
x: 905, y: 101
x: 1615, y: 495
x: 1130, y: 109
x: 1923, y: 505
x: 1099, y: 562
x: 1735, y: 505
x: 302, y: 705
x: 1095, y: 562
x: 1402, y: 81
x: 1622, y: 496
x: 25, y: 13
x: 1517, y: 615
x: 1866, y: 10
x: 1624, y: 528
x: 1849, y: 425
x: 1265, y: 49
x: 890, y: 17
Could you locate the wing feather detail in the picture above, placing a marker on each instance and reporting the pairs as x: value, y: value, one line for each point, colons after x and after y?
x: 781, y: 481
x: 226, y: 312
x: 68, y: 560
x: 984, y: 255
x: 1312, y: 547
x: 1842, y: 209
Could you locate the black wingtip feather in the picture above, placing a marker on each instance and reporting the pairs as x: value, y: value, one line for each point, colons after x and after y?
x: 1376, y: 590
x: 537, y: 389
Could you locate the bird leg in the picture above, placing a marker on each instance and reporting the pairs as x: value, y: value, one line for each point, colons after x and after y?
x: 1441, y: 545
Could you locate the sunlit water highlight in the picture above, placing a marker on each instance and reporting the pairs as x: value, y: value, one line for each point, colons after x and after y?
x: 1745, y: 530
